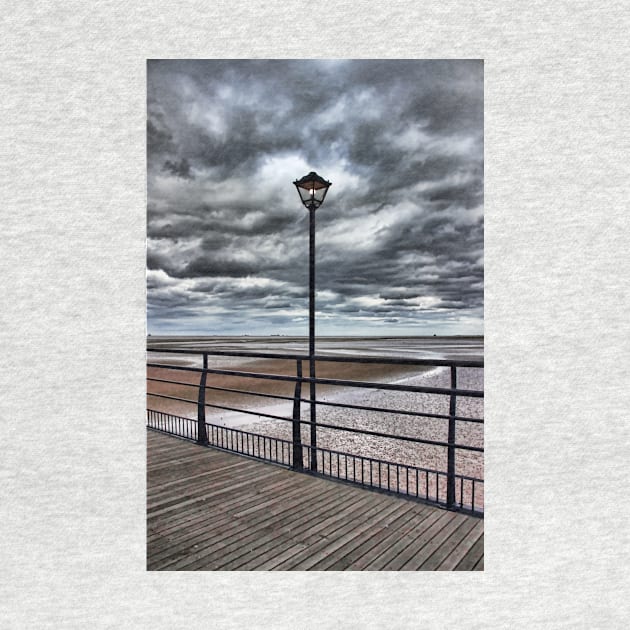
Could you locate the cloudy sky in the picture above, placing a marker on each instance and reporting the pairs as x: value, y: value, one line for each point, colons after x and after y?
x: 399, y: 243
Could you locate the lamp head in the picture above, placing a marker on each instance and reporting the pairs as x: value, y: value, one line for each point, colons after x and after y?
x: 312, y: 190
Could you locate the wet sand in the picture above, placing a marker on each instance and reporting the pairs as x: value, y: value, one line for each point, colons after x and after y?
x: 347, y: 371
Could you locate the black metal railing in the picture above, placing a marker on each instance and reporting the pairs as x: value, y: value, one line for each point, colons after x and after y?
x: 445, y: 487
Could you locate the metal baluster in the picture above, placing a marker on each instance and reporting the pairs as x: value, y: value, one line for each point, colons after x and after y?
x: 450, y: 482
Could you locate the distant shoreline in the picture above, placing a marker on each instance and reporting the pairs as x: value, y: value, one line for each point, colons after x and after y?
x: 301, y: 337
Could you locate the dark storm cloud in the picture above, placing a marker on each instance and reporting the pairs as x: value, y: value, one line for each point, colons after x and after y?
x: 181, y: 169
x: 400, y: 238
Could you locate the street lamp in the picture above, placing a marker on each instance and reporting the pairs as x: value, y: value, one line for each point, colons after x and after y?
x: 312, y: 190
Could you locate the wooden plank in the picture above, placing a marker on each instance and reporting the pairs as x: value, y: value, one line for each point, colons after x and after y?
x: 401, y: 530
x: 266, y: 487
x: 179, y: 470
x: 207, y: 526
x: 281, y: 556
x: 307, y: 525
x: 204, y: 495
x: 384, y: 538
x: 438, y: 548
x: 250, y: 541
x: 424, y: 545
x: 472, y: 557
x: 429, y: 526
x: 342, y: 529
x: 224, y: 483
x: 184, y: 519
x: 462, y: 548
x: 186, y: 478
x: 215, y: 526
x: 239, y: 533
x: 325, y: 525
x: 255, y: 562
x: 344, y: 544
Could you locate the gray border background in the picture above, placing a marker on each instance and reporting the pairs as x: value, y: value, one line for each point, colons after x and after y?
x: 72, y: 168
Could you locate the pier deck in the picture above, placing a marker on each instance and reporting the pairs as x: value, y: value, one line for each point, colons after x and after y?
x: 212, y: 510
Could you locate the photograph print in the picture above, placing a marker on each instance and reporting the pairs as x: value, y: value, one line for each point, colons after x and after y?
x: 315, y: 332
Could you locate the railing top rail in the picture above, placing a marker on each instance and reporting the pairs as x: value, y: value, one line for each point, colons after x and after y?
x: 473, y: 363
x: 327, y: 381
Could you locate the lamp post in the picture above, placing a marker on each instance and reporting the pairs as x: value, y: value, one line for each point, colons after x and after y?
x: 312, y: 190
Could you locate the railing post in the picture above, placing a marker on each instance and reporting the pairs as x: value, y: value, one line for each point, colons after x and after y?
x: 202, y: 434
x: 312, y: 399
x: 297, y: 430
x: 450, y: 468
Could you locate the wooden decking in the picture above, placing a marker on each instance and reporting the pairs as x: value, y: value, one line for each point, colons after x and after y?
x: 211, y: 510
